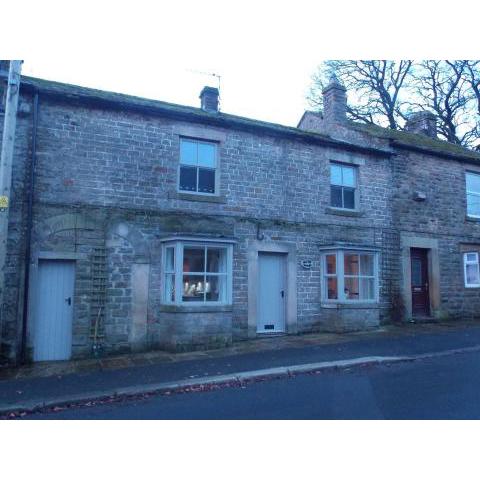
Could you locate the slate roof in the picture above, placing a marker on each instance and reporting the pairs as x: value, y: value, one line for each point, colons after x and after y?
x: 410, y: 141
x: 85, y: 96
x: 399, y: 139
x: 418, y: 142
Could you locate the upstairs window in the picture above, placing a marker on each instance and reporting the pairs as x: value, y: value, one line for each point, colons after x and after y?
x: 198, y: 165
x: 473, y: 194
x: 343, y: 183
x: 471, y: 270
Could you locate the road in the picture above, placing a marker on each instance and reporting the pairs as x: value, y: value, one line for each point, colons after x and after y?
x: 440, y: 388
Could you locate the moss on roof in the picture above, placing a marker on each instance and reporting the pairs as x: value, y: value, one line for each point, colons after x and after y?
x: 417, y: 141
x: 76, y: 93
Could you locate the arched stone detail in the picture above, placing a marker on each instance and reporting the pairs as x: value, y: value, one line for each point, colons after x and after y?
x: 123, y: 231
x: 57, y: 225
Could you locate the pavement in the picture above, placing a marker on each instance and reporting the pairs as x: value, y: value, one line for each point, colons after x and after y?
x: 43, y: 386
x: 442, y: 387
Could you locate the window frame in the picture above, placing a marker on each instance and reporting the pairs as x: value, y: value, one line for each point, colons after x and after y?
x: 340, y: 275
x: 467, y: 262
x: 467, y: 193
x: 355, y: 170
x: 215, y: 143
x: 179, y: 246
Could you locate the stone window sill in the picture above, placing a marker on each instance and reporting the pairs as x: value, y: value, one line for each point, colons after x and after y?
x: 197, y: 197
x: 343, y: 212
x: 195, y: 308
x: 472, y: 219
x: 346, y: 306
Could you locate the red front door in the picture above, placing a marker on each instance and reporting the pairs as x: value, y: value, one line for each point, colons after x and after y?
x: 420, y: 296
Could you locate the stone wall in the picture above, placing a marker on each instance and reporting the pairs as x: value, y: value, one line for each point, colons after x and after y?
x: 106, y: 182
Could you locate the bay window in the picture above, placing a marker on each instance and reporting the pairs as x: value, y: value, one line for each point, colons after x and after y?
x: 350, y: 276
x: 197, y: 273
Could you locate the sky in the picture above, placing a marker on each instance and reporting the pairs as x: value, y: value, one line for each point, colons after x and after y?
x: 156, y: 52
x: 265, y: 52
x: 274, y: 92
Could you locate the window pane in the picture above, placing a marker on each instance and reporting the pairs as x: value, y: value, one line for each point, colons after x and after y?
x: 216, y: 260
x: 206, y: 180
x: 335, y: 174
x: 332, y: 289
x: 473, y: 204
x: 417, y: 277
x: 170, y: 259
x: 348, y: 176
x: 367, y: 289
x: 169, y: 292
x: 215, y: 288
x: 194, y: 260
x: 473, y: 277
x: 351, y: 264
x: 473, y: 182
x: 331, y: 261
x: 193, y: 288
x: 188, y: 152
x: 336, y: 196
x: 366, y: 265
x: 188, y: 179
x: 351, y: 289
x: 206, y: 155
x: 471, y: 257
x: 348, y: 198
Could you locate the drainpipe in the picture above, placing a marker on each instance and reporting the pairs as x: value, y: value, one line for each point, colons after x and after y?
x: 28, y: 235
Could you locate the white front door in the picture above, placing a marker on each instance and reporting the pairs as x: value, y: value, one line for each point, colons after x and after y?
x: 271, y: 292
x: 54, y: 310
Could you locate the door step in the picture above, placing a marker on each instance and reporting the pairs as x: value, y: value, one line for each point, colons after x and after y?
x: 423, y: 319
x: 271, y: 334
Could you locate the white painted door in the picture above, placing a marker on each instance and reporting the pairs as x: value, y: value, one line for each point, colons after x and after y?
x: 271, y: 293
x: 54, y: 310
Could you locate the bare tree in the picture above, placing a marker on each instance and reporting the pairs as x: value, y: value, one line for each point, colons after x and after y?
x: 377, y: 85
x: 385, y: 92
x: 441, y: 86
x: 473, y: 79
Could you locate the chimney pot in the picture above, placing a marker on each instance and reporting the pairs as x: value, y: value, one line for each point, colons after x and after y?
x: 209, y: 99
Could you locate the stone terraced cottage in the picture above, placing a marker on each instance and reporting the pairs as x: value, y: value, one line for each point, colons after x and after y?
x: 160, y: 226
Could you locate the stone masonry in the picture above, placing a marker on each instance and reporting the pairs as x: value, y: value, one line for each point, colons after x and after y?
x: 106, y: 196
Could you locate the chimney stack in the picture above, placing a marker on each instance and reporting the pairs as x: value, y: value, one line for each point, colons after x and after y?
x: 209, y: 99
x: 422, y: 122
x: 334, y: 102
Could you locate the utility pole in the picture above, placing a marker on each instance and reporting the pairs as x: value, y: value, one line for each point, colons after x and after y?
x: 6, y: 161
